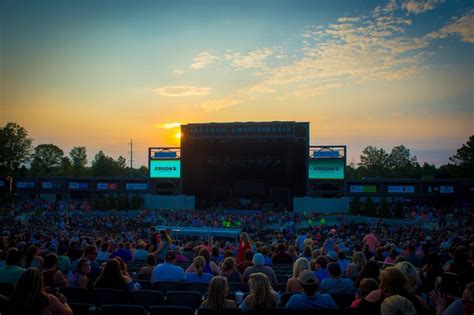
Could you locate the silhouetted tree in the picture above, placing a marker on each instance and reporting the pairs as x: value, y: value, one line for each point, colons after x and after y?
x: 15, y: 148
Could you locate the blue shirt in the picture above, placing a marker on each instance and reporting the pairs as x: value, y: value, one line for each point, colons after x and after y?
x: 341, y: 285
x: 321, y: 274
x: 303, y: 301
x: 167, y: 272
x: 192, y: 277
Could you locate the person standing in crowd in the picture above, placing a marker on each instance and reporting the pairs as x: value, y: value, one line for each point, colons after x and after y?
x: 309, y: 299
x: 261, y: 297
x: 11, y: 272
x: 293, y: 284
x: 163, y: 246
x: 216, y: 297
x: 168, y: 271
x: 371, y: 241
x: 259, y: 267
x: 244, y: 245
x: 30, y: 297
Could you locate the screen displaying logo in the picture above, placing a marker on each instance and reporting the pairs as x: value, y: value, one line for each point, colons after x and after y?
x: 326, y: 169
x: 165, y: 169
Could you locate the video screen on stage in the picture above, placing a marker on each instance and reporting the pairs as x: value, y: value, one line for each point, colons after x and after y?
x: 326, y: 169
x: 165, y: 168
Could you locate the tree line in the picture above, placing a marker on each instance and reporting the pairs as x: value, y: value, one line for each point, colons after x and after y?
x: 19, y: 158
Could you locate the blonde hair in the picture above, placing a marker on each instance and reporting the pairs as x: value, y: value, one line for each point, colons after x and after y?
x: 397, y: 304
x: 262, y: 291
x: 244, y: 237
x: 299, y: 265
x: 199, y: 263
x: 216, y: 294
x: 393, y: 281
x: 308, y: 242
x: 410, y: 272
x: 358, y: 258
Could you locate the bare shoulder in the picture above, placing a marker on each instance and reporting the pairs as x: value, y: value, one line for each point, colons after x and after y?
x: 374, y: 296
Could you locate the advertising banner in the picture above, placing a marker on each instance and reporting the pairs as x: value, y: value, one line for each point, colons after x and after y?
x: 165, y: 168
x: 107, y: 186
x: 326, y: 169
x: 446, y: 189
x: 136, y: 186
x: 25, y: 185
x: 79, y: 186
x: 363, y: 189
x: 401, y: 189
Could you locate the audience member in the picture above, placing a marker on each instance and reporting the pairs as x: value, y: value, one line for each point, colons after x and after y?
x: 261, y: 297
x: 216, y: 297
x: 11, y: 272
x: 259, y: 267
x: 293, y: 284
x: 336, y: 284
x: 229, y: 270
x: 168, y: 271
x: 198, y: 275
x: 309, y: 298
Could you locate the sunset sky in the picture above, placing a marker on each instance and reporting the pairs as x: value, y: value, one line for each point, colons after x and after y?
x: 99, y: 73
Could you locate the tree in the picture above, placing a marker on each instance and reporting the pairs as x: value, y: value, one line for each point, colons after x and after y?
x: 464, y: 158
x: 15, y: 148
x: 103, y: 165
x: 370, y: 208
x: 78, y: 159
x: 374, y: 161
x: 46, y: 159
x: 65, y: 168
x: 355, y: 206
x: 400, y: 162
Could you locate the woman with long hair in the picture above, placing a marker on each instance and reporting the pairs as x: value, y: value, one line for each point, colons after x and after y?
x: 210, y: 266
x: 244, y: 244
x: 229, y: 270
x: 30, y: 297
x: 79, y: 276
x: 198, y: 276
x: 293, y: 284
x: 261, y: 297
x: 32, y: 258
x: 112, y: 277
x: 358, y: 262
x: 216, y: 296
x: 392, y: 282
x: 370, y: 270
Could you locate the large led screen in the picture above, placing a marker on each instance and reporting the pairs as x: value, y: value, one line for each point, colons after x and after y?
x: 326, y: 169
x: 165, y: 168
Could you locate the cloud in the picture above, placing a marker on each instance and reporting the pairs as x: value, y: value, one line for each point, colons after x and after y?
x: 169, y: 125
x: 203, y: 59
x: 420, y: 6
x: 179, y: 71
x: 216, y: 105
x: 254, y: 59
x: 348, y: 19
x: 464, y: 27
x: 182, y: 90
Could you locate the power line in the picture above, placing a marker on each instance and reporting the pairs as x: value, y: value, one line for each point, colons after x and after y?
x: 131, y: 157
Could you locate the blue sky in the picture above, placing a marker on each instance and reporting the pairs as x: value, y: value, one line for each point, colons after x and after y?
x: 98, y: 73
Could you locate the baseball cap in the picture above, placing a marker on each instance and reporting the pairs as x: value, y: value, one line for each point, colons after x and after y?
x: 307, y: 277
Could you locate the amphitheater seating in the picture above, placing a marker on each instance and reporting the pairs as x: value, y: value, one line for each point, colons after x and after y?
x: 6, y: 289
x: 170, y: 310
x: 146, y: 298
x: 121, y: 309
x: 109, y: 296
x: 77, y: 295
x: 184, y: 298
x: 226, y: 311
x: 196, y: 287
x: 285, y: 297
x: 166, y: 286
x: 343, y: 300
x: 81, y: 308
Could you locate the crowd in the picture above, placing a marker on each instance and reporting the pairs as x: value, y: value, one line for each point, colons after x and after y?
x: 384, y: 269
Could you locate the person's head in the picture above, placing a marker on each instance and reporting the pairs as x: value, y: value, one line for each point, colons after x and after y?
x: 308, y: 282
x: 84, y: 266
x: 341, y: 255
x: 151, y: 260
x: 393, y: 281
x: 90, y: 252
x: 199, y: 264
x: 218, y: 290
x: 258, y: 259
x: 366, y: 286
x: 248, y: 255
x: 244, y: 237
x: 170, y: 257
x: 468, y: 298
x: 281, y: 248
x: 307, y: 251
x: 393, y: 253
x: 410, y: 272
x: 205, y: 253
x: 397, y: 304
x: 334, y: 270
x: 13, y: 257
x: 262, y: 291
x: 29, y: 295
x: 321, y: 262
x: 111, y: 276
x: 300, y: 265
x: 228, y: 265
x: 228, y: 253
x: 50, y: 261
x: 122, y: 264
x: 358, y: 258
x: 264, y: 250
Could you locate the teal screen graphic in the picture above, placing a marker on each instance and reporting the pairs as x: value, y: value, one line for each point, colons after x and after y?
x: 165, y: 169
x: 326, y: 169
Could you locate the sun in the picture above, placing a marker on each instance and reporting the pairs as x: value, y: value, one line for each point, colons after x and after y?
x: 178, y: 135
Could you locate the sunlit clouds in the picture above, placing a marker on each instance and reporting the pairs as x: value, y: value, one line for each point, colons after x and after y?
x: 182, y: 90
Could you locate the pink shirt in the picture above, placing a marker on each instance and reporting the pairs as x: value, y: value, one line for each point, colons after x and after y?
x: 371, y: 241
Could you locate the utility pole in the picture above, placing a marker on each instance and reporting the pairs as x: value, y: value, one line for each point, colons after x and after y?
x: 131, y: 157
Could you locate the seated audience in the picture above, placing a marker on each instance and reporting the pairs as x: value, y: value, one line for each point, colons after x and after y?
x: 321, y: 271
x: 79, y: 277
x: 336, y: 284
x: 229, y: 270
x: 168, y: 271
x: 123, y: 252
x: 248, y: 261
x: 411, y: 273
x: 210, y: 266
x: 30, y: 297
x: 51, y: 274
x: 261, y: 297
x: 366, y: 286
x: 198, y: 275
x: 259, y: 267
x: 357, y: 264
x: 141, y: 254
x: 397, y: 304
x: 370, y: 270
x: 216, y: 297
x: 343, y: 262
x: 112, y: 277
x: 281, y: 256
x: 150, y: 265
x: 309, y: 299
x: 293, y: 284
x: 465, y: 305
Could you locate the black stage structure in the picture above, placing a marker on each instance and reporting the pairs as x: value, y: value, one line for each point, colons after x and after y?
x: 230, y: 164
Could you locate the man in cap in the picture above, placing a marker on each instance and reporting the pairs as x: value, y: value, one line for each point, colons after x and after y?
x: 309, y: 299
